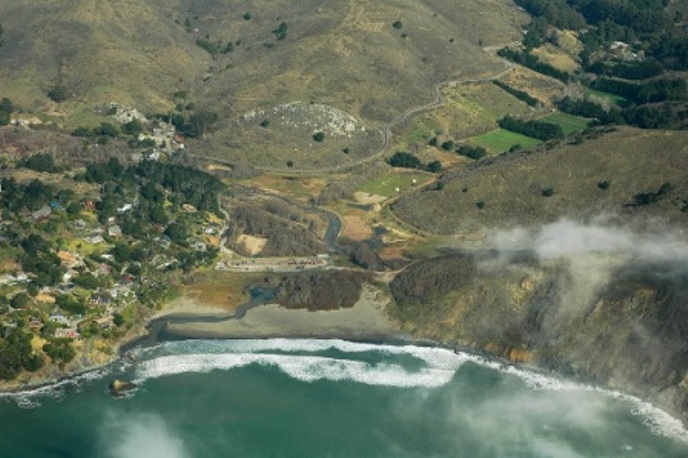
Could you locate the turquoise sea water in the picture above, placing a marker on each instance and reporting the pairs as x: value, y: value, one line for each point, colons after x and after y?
x: 319, y: 398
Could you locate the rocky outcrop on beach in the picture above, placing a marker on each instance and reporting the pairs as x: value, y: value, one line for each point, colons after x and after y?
x: 596, y: 317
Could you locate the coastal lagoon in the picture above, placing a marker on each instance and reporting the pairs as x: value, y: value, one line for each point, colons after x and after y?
x: 316, y: 398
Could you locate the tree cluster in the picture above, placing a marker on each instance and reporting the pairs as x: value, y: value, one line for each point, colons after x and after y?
x: 16, y: 197
x: 38, y: 258
x: 658, y: 90
x: 521, y: 95
x: 410, y: 161
x: 590, y: 109
x: 529, y: 60
x: 6, y: 106
x: 472, y: 152
x: 16, y: 353
x: 40, y: 162
x: 536, y: 129
x: 648, y: 198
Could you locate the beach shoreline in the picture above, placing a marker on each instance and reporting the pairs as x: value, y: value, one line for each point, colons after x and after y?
x: 366, y: 321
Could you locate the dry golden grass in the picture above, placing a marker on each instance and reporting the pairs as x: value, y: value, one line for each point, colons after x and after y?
x: 45, y: 298
x: 252, y: 244
x: 356, y: 227
x: 632, y: 160
x: 220, y: 290
x: 469, y: 110
x: 537, y: 85
x: 556, y: 58
x: 299, y: 188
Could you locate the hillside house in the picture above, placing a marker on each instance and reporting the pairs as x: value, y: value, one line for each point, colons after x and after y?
x: 42, y: 213
x: 67, y: 333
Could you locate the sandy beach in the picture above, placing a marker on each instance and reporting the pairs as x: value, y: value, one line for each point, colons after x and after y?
x: 365, y: 320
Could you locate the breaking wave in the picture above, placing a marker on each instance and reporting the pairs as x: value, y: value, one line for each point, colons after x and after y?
x: 31, y: 397
x: 302, y: 359
x: 307, y: 360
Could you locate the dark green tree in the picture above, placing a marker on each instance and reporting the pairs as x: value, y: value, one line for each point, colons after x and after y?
x: 133, y: 127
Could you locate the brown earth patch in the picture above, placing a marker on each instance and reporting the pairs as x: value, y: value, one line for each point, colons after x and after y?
x: 252, y: 244
x: 356, y: 228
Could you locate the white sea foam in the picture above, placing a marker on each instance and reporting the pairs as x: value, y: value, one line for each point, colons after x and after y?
x: 30, y: 397
x: 298, y: 358
x: 304, y: 368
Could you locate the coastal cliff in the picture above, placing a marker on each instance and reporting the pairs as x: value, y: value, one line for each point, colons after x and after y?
x: 596, y: 317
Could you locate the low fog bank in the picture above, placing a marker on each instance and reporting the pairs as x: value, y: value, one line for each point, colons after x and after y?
x: 598, y: 256
x: 135, y: 435
x: 603, y: 302
x: 649, y: 241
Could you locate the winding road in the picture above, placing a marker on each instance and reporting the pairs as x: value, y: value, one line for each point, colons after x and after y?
x: 438, y: 101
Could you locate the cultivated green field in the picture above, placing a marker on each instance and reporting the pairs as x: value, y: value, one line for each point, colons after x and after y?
x: 387, y: 185
x: 569, y: 123
x: 500, y: 140
x: 613, y: 98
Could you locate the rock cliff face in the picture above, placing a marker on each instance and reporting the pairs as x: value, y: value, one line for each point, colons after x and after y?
x: 597, y: 317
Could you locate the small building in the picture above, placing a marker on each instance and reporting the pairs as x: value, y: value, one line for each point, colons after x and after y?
x: 124, y: 208
x: 104, y: 322
x: 67, y: 333
x: 115, y: 231
x: 59, y: 319
x: 42, y: 214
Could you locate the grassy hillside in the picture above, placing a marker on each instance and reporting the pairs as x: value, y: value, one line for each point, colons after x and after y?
x: 347, y: 55
x: 543, y: 186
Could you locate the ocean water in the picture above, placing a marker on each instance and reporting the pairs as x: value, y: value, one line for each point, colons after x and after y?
x: 328, y: 398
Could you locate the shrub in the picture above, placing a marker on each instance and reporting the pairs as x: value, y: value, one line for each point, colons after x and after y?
x: 547, y: 192
x: 473, y: 152
x: 58, y: 93
x: 397, y: 24
x: 433, y: 167
x: 40, y: 162
x: 106, y: 129
x: 318, y: 137
x: 133, y: 127
x: 603, y: 184
x: 404, y: 159
x: 281, y: 31
x: 448, y: 145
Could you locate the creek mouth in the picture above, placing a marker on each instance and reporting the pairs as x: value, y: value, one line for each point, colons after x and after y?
x: 157, y: 328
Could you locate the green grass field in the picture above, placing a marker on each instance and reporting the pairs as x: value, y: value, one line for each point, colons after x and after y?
x: 387, y: 184
x: 569, y: 123
x: 500, y: 140
x: 613, y: 98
